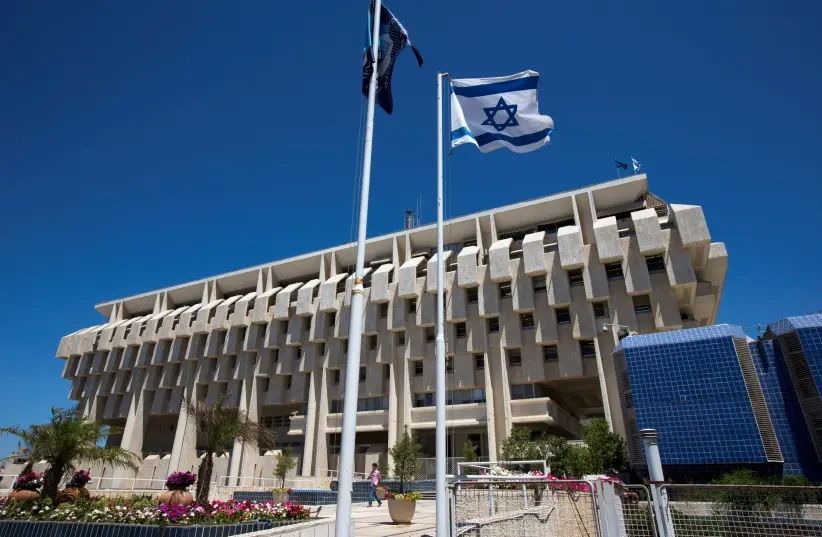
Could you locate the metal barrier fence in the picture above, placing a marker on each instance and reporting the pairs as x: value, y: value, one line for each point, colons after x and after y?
x: 634, y: 511
x: 427, y: 468
x: 523, y: 509
x: 741, y: 511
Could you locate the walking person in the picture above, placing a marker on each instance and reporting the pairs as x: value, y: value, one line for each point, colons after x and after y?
x: 374, y: 477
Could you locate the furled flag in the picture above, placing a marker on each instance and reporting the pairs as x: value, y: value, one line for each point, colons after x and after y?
x: 393, y: 38
x: 636, y: 164
x: 620, y: 165
x: 499, y: 112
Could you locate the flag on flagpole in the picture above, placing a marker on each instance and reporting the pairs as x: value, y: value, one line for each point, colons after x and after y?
x: 499, y: 112
x: 636, y: 164
x: 393, y: 38
x: 620, y: 165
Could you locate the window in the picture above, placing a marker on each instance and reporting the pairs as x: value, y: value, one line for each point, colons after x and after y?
x: 493, y: 325
x: 587, y: 348
x: 233, y: 363
x: 386, y: 372
x: 479, y: 362
x: 642, y: 304
x: 505, y: 289
x: 600, y: 309
x: 175, y: 323
x: 424, y: 399
x: 449, y: 364
x: 575, y: 277
x: 321, y: 349
x: 526, y: 321
x: 288, y: 382
x: 336, y: 376
x: 332, y: 318
x: 540, y: 284
x: 614, y: 271
x: 372, y: 343
x: 418, y: 368
x: 655, y: 263
x: 429, y: 333
x: 400, y: 338
x: 142, y: 328
x: 345, y: 346
x: 363, y: 371
x: 514, y: 357
x: 412, y: 305
x: 563, y: 315
x: 472, y: 295
x: 231, y: 308
x: 336, y: 406
x: 127, y: 332
x: 264, y: 384
x: 550, y: 353
x: 383, y: 310
x: 527, y: 391
x: 461, y: 330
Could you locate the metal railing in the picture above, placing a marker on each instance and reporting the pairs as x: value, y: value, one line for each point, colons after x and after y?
x: 741, y: 511
x: 523, y: 508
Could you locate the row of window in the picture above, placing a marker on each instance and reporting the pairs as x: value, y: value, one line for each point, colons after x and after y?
x: 550, y: 353
x: 364, y: 404
x: 454, y: 397
x: 275, y: 422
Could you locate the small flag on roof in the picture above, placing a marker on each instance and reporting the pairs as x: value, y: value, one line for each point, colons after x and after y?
x: 636, y: 165
x: 393, y: 38
x: 620, y: 165
x: 499, y: 112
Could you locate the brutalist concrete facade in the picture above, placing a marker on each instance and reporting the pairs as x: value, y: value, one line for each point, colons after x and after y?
x: 534, y: 293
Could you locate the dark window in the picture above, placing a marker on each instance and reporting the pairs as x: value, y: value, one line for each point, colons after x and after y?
x: 563, y: 315
x: 655, y: 263
x: 449, y: 364
x: 412, y: 305
x: 472, y: 294
x: 362, y: 373
x: 614, y: 271
x: 526, y: 320
x: 332, y: 318
x: 514, y: 357
x: 479, y: 362
x: 587, y: 348
x: 372, y: 342
x: 526, y: 391
x: 345, y: 346
x: 321, y: 349
x: 642, y: 303
x: 288, y: 382
x: 550, y: 353
x: 336, y: 376
x: 600, y: 309
x: 461, y: 330
x: 429, y: 333
x: 505, y: 289
x: 142, y: 328
x: 575, y: 277
x: 493, y: 325
x: 383, y: 311
x: 400, y: 339
x: 540, y: 284
x: 233, y: 363
x: 386, y: 372
x: 418, y: 368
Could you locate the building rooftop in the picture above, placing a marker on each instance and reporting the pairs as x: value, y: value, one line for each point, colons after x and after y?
x: 682, y: 336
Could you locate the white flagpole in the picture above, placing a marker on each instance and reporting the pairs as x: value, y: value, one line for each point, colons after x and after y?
x: 442, y: 525
x: 352, y: 370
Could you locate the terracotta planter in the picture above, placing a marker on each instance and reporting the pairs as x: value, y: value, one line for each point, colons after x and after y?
x: 381, y: 493
x: 401, y: 511
x: 72, y: 495
x: 175, y: 497
x: 280, y: 497
x: 24, y: 495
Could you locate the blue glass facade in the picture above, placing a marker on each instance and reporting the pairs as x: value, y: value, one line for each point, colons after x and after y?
x: 688, y: 385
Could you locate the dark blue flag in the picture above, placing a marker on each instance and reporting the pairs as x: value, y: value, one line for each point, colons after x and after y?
x: 393, y: 38
x: 621, y: 165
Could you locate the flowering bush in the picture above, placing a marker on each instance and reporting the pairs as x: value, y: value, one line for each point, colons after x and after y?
x: 79, y: 479
x: 283, y: 490
x: 177, y: 480
x: 410, y: 496
x: 28, y: 481
x: 142, y: 510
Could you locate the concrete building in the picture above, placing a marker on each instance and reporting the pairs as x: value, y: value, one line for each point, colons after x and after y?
x: 719, y: 399
x: 534, y: 291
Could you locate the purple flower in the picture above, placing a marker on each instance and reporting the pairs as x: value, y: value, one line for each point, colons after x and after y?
x: 79, y: 479
x: 180, y: 479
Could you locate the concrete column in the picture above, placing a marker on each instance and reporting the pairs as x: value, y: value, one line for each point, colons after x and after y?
x: 184, y: 450
x: 240, y: 459
x: 310, y: 424
x: 395, y: 388
x: 321, y: 435
x: 490, y: 414
x: 132, y: 439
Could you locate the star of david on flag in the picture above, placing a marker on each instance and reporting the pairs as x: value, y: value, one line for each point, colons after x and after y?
x: 499, y: 112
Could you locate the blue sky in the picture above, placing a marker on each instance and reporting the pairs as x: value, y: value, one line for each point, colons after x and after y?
x: 147, y: 144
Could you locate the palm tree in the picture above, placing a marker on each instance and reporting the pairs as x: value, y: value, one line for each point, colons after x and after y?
x: 68, y: 440
x: 219, y: 428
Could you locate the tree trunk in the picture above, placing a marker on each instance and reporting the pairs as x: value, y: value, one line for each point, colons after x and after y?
x: 204, y: 477
x: 51, y: 482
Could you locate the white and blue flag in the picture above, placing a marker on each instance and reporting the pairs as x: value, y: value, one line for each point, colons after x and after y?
x: 499, y: 112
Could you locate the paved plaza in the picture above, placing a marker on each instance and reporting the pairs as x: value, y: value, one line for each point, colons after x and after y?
x: 375, y: 522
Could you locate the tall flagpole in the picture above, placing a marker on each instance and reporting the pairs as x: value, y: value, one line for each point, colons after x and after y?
x: 442, y: 526
x: 352, y: 370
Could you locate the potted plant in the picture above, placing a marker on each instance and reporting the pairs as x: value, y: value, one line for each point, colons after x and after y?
x: 285, y: 462
x: 383, y: 492
x: 177, y: 484
x: 75, y: 488
x: 406, y: 454
x: 25, y: 487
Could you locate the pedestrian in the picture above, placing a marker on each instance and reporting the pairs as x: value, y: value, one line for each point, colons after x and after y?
x: 374, y: 478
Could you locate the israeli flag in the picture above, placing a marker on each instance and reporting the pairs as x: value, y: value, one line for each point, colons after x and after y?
x: 499, y: 112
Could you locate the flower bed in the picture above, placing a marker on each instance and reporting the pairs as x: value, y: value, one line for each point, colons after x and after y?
x: 143, y: 510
